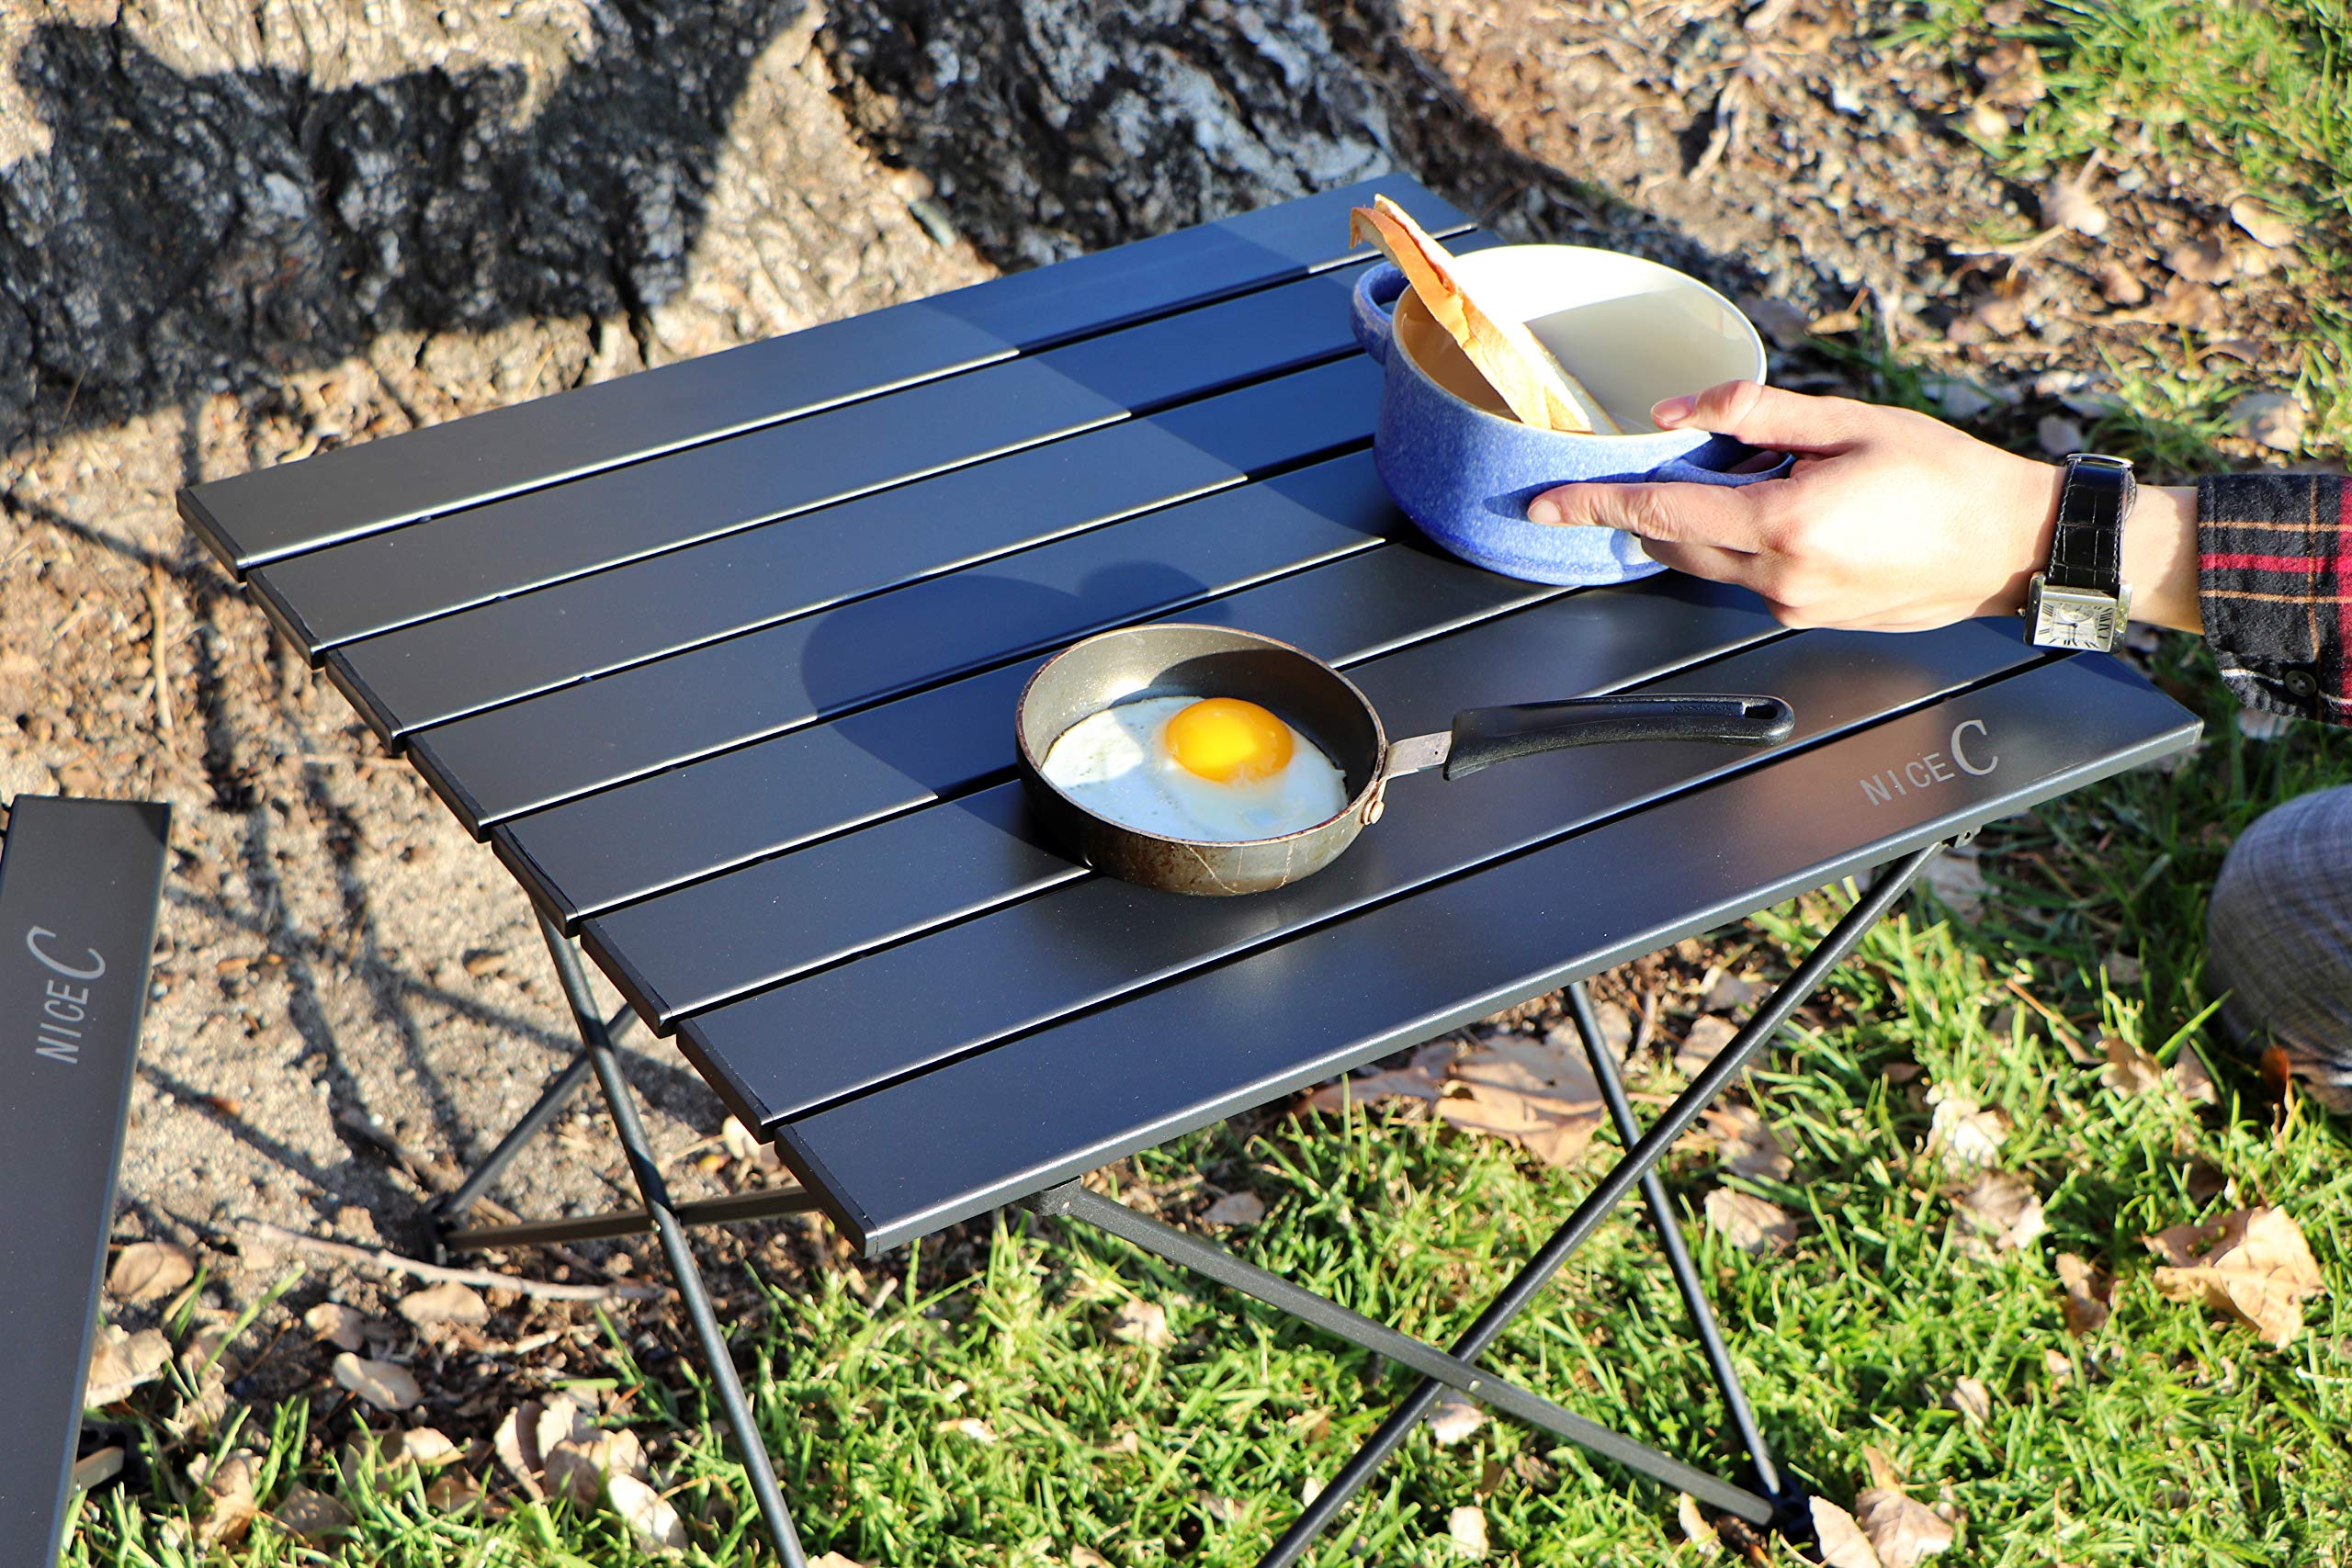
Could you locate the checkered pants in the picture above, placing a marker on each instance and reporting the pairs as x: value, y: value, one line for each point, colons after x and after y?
x: 2279, y: 939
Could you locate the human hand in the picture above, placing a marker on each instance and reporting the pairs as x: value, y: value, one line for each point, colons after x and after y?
x: 1890, y: 520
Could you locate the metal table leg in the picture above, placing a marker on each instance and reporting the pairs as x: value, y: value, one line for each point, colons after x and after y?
x: 1074, y: 1202
x: 1640, y: 1158
x: 1678, y: 1262
x: 598, y: 1042
x: 558, y: 1093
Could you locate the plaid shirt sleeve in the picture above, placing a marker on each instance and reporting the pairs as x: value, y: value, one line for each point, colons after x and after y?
x: 2274, y: 569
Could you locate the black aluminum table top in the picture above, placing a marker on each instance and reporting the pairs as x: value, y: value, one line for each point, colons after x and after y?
x: 721, y: 659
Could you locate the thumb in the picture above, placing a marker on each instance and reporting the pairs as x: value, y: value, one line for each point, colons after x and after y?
x: 1766, y: 416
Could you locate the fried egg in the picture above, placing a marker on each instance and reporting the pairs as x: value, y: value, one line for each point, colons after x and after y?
x: 1214, y: 769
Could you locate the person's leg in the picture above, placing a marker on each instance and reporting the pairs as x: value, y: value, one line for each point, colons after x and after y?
x: 2279, y: 936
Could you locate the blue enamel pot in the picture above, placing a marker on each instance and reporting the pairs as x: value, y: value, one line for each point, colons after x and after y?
x: 1634, y: 332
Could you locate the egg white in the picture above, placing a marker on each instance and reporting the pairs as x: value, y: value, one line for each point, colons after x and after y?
x: 1115, y: 764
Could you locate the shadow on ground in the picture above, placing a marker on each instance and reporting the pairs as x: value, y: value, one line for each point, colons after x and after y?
x: 187, y: 233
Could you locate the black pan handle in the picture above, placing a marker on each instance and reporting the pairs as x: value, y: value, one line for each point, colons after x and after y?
x: 1483, y: 736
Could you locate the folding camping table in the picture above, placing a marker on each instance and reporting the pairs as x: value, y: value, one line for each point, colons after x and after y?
x: 721, y: 658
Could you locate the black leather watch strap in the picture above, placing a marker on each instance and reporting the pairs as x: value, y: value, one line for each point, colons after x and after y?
x: 2087, y: 549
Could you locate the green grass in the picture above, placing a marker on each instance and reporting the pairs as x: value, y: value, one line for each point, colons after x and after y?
x: 2255, y: 94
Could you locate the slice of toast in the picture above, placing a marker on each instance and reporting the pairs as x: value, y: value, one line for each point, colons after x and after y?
x: 1536, y: 387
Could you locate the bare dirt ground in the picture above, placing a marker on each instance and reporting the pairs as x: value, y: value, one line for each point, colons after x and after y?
x: 339, y: 967
x: 240, y: 240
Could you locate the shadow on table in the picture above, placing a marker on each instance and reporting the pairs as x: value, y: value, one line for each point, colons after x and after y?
x: 988, y: 628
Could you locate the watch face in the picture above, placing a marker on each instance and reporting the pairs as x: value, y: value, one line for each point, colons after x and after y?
x: 2075, y: 624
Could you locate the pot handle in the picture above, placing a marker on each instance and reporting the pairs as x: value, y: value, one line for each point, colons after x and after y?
x: 1483, y: 736
x: 1373, y: 305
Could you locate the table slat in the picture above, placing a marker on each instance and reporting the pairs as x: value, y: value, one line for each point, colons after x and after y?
x: 1097, y: 939
x: 251, y: 519
x: 695, y: 948
x: 981, y: 1132
x: 605, y: 732
x: 510, y: 648
x: 408, y: 576
x: 559, y: 531
x: 623, y: 844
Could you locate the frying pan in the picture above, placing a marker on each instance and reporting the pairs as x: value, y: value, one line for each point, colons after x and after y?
x: 1174, y: 661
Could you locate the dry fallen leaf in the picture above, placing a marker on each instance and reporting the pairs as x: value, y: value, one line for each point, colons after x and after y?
x: 426, y: 1447
x: 122, y: 1362
x: 2128, y: 1070
x: 1776, y: 319
x: 2011, y: 70
x: 150, y: 1270
x: 446, y: 1303
x: 836, y: 1560
x: 2256, y: 724
x: 2190, y: 1076
x: 2004, y: 1207
x: 1957, y: 881
x: 2057, y: 436
x: 1454, y: 1418
x: 2119, y: 285
x: 1539, y: 1095
x: 972, y: 1428
x: 2273, y: 419
x: 1085, y: 1557
x: 1960, y: 400
x: 313, y: 1516
x: 2087, y: 1289
x: 2066, y: 203
x: 1467, y: 1528
x: 1750, y: 1223
x: 2265, y: 225
x: 1973, y: 1400
x: 1695, y: 1527
x: 381, y: 1383
x: 2202, y: 261
x: 578, y: 1466
x: 454, y: 1492
x: 2060, y: 1366
x: 1746, y: 1144
x: 1903, y: 1533
x: 1144, y: 1324
x: 341, y: 1327
x: 746, y: 1148
x: 2253, y: 1264
x: 1843, y: 1544
x: 517, y: 1443
x: 647, y: 1513
x: 2186, y: 303
x: 97, y: 1467
x: 1962, y: 1133
x: 1237, y: 1209
x: 229, y: 1506
x: 1422, y: 1078
x: 1708, y: 1036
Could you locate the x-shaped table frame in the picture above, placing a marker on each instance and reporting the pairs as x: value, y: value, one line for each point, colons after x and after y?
x: 1772, y: 1500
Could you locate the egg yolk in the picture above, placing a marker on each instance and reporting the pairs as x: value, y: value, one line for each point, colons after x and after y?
x: 1227, y: 740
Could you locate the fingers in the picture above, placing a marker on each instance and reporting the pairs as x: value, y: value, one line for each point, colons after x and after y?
x: 1726, y: 516
x: 1767, y: 416
x: 1736, y: 566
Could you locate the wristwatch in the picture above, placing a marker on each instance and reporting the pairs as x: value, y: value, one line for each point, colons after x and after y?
x: 2081, y: 600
